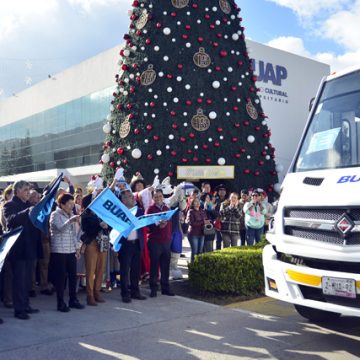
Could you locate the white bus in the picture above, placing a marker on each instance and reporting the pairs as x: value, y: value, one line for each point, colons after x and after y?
x: 313, y: 259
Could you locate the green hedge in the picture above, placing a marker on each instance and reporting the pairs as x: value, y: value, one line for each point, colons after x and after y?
x: 234, y: 270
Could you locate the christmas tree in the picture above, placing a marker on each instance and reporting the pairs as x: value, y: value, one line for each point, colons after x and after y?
x: 186, y: 95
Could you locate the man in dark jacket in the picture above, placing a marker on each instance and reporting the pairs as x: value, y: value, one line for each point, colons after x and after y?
x: 26, y: 249
x: 130, y: 255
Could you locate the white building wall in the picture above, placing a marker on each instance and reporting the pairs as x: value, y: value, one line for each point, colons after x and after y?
x: 92, y: 75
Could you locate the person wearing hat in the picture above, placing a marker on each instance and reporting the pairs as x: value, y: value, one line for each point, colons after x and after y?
x: 254, y: 218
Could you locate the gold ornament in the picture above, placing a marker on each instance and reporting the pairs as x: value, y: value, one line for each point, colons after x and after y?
x: 148, y: 76
x: 200, y: 122
x: 250, y: 108
x: 179, y: 4
x: 125, y: 128
x: 142, y: 21
x: 202, y: 59
x: 225, y: 6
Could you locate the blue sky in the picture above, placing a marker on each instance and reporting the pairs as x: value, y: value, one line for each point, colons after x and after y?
x: 41, y: 37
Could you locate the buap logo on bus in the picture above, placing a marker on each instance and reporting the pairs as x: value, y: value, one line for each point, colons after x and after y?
x: 349, y: 179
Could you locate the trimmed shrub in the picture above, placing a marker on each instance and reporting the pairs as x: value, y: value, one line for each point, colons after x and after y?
x: 234, y: 270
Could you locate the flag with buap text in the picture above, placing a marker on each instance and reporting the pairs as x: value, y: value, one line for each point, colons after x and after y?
x: 39, y: 214
x: 141, y: 221
x: 113, y: 212
x: 6, y: 243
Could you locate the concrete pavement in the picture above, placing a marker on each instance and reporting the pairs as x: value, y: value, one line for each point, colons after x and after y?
x: 171, y: 328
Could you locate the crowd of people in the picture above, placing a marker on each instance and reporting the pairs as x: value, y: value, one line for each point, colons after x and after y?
x: 76, y: 251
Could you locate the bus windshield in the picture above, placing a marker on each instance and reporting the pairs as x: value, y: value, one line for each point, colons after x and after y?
x: 331, y: 140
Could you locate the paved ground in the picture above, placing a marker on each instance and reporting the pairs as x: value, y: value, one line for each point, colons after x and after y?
x: 174, y: 328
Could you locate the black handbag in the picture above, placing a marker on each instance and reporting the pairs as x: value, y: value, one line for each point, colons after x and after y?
x: 209, y: 229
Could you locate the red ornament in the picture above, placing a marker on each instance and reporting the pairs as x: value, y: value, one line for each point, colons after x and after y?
x: 138, y: 78
x: 191, y: 135
x: 246, y: 123
x: 118, y: 106
x: 188, y: 102
x: 238, y: 156
x: 132, y: 90
x: 120, y: 151
x: 195, y: 6
x: 112, y: 164
x: 200, y: 39
x: 173, y: 14
x: 125, y: 162
x: 124, y: 67
x: 246, y: 171
x: 215, y: 44
x: 169, y: 76
x: 240, y: 63
x: 156, y: 138
x: 219, y: 129
x: 257, y: 173
x: 152, y: 104
x: 237, y: 125
x: 212, y: 26
x: 216, y: 144
x: 260, y: 162
x: 148, y: 41
x: 138, y: 32
x: 243, y: 150
x: 184, y: 160
x: 219, y: 35
x: 235, y: 108
x: 134, y: 66
x: 173, y: 113
x: 209, y: 101
x: 131, y: 116
x: 148, y: 127
x: 233, y: 88
x: 207, y: 16
x: 189, y: 151
x: 257, y: 128
x: 195, y: 159
x: 185, y: 36
x: 182, y: 139
x: 158, y: 25
x: 179, y: 66
x: 136, y: 3
x: 208, y: 160
x: 199, y: 100
x: 174, y: 126
x: 234, y: 139
x: 187, y: 27
x: 217, y: 68
x: 170, y: 173
x: 129, y: 106
x: 205, y: 146
x: 149, y: 157
x: 136, y: 131
x: 223, y: 53
x: 173, y: 153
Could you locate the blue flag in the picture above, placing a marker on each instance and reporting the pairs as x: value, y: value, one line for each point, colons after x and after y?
x: 140, y: 222
x: 7, y: 242
x: 112, y: 211
x: 40, y: 213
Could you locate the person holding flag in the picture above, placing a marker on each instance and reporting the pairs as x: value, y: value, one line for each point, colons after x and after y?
x: 26, y: 249
x: 130, y: 254
x: 159, y: 242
